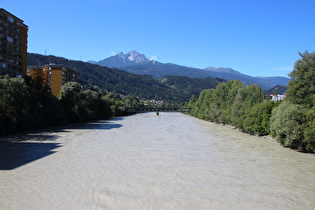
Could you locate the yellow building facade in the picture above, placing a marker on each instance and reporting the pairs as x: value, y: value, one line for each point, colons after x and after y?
x: 54, y: 75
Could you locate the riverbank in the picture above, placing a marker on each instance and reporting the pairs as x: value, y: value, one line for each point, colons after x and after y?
x: 250, y: 133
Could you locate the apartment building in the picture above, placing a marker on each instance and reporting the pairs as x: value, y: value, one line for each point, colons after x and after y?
x: 35, y: 71
x: 13, y: 45
x: 54, y: 75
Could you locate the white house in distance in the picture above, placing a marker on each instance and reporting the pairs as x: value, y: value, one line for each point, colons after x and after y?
x: 277, y: 97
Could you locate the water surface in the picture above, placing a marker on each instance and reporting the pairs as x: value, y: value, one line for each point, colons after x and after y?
x: 144, y: 161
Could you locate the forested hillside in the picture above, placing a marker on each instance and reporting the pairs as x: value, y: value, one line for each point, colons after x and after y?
x: 125, y: 83
x: 159, y: 70
x: 278, y: 90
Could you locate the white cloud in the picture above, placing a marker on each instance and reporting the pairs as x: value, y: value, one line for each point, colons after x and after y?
x: 283, y: 68
x: 153, y: 58
x: 113, y: 53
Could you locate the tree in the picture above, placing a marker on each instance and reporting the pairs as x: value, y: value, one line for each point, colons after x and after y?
x: 301, y: 87
x: 286, y: 124
x: 14, y: 109
x: 253, y: 119
x: 245, y: 99
x: 309, y: 131
x: 45, y: 109
x: 70, y: 99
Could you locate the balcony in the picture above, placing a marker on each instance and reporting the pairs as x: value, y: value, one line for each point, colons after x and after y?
x: 14, y: 26
x: 5, y: 50
x: 10, y: 56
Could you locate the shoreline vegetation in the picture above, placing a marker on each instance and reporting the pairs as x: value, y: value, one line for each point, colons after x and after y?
x: 290, y: 122
x: 26, y: 105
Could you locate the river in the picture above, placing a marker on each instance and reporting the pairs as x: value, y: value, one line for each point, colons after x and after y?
x: 144, y: 161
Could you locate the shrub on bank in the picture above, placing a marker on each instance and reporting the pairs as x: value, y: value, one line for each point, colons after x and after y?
x: 286, y: 124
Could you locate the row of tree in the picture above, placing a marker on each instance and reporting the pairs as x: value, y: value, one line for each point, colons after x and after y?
x: 26, y: 104
x: 291, y: 122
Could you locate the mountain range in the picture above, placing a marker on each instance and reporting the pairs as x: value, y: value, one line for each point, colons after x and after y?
x: 137, y: 63
x: 170, y: 88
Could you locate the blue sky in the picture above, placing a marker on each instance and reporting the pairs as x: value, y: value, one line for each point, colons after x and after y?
x: 254, y: 37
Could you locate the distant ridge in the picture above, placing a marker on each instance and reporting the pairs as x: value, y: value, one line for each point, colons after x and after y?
x: 137, y: 63
x: 222, y: 70
x: 282, y: 90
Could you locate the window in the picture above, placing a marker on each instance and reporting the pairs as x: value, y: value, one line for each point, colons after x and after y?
x: 4, y: 65
x: 9, y: 39
x: 10, y: 19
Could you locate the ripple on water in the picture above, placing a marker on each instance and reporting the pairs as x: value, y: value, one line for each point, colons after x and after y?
x: 171, y: 161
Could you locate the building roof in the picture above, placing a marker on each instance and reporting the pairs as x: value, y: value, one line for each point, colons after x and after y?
x: 52, y: 65
x: 8, y: 13
x: 61, y: 65
x: 34, y: 67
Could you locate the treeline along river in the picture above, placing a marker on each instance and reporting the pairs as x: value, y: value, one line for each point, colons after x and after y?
x: 144, y: 161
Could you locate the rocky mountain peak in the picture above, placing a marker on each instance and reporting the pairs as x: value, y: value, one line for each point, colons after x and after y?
x: 135, y: 56
x: 121, y: 59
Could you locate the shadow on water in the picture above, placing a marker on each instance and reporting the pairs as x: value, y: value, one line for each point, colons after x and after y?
x: 23, y: 148
x: 97, y: 125
x: 16, y: 154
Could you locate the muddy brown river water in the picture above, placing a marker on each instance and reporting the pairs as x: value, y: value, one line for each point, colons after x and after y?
x: 144, y: 161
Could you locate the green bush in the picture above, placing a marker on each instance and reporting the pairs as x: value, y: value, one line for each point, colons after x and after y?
x: 258, y: 118
x: 253, y: 120
x: 309, y: 132
x: 14, y: 104
x: 286, y: 124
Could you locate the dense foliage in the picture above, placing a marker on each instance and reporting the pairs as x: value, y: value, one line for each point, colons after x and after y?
x: 26, y: 104
x: 291, y: 122
x: 301, y: 88
x: 234, y: 103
